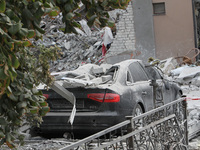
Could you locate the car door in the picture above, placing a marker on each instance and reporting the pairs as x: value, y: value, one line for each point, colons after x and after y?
x: 141, y: 89
x: 161, y: 87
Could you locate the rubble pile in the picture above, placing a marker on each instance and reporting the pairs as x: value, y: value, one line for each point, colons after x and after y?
x: 87, y: 46
x: 188, y: 76
x: 86, y: 75
x: 76, y: 49
x: 184, y: 74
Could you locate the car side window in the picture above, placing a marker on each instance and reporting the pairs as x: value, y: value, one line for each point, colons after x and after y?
x: 153, y: 73
x: 137, y: 72
x: 129, y: 79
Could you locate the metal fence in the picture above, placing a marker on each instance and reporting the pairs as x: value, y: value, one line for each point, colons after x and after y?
x: 163, y: 128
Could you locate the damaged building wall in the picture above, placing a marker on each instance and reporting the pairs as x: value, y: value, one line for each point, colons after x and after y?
x: 144, y: 30
x: 135, y: 33
x: 153, y: 28
x: 174, y: 27
x: 123, y: 46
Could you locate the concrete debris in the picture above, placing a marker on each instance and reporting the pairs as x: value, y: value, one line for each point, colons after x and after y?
x: 177, y: 71
x: 85, y: 27
x: 86, y: 75
x: 167, y: 65
x: 185, y: 74
x: 196, y: 81
x: 188, y: 74
x: 76, y: 49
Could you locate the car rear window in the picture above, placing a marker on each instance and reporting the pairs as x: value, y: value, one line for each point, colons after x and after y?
x: 137, y: 72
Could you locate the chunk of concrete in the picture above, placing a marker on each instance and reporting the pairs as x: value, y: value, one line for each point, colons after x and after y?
x: 187, y: 74
x: 168, y: 64
x: 97, y: 71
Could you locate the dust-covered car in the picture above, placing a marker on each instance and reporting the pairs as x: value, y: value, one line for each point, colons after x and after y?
x: 105, y: 95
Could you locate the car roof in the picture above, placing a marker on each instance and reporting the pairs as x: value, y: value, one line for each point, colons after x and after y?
x: 127, y: 62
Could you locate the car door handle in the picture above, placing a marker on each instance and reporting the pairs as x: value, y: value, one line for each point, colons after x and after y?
x: 144, y: 93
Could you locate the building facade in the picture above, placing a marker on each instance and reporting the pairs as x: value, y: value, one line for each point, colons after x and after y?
x: 155, y: 28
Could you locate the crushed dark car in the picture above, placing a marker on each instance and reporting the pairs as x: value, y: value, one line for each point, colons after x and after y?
x: 105, y: 95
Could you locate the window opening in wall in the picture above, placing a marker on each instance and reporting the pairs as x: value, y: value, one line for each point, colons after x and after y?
x: 159, y: 8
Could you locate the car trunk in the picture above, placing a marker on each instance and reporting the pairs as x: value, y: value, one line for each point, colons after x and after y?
x: 83, y: 103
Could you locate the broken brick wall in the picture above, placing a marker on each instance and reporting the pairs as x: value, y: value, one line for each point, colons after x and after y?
x: 124, y: 40
x: 135, y: 34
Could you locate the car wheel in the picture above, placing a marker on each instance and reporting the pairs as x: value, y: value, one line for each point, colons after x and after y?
x: 138, y: 110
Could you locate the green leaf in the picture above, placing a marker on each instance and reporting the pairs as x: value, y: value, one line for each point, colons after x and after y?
x: 21, y: 98
x: 4, y: 18
x: 44, y: 103
x: 20, y: 74
x: 48, y: 5
x: 23, y: 32
x: 31, y: 34
x: 2, y: 74
x: 22, y: 112
x: 44, y: 110
x: 27, y: 43
x: 1, y: 31
x: 15, y: 61
x: 53, y: 13
x: 68, y: 8
x: 11, y: 45
x: 25, y: 2
x: 75, y: 24
x: 38, y: 27
x: 39, y: 13
x: 104, y: 3
x: 3, y: 121
x: 70, y: 16
x: 9, y: 90
x: 2, y: 6
x: 111, y: 24
x: 2, y: 135
x: 37, y: 4
x: 12, y: 97
x: 12, y: 15
x: 11, y: 76
x: 34, y: 110
x: 28, y: 14
x: 12, y: 115
x: 91, y: 20
x: 15, y: 28
x: 22, y: 104
x: 34, y: 90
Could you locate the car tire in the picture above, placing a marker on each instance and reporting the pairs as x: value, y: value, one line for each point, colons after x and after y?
x: 138, y: 110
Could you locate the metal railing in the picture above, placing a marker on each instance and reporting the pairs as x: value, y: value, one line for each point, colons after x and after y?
x: 163, y: 128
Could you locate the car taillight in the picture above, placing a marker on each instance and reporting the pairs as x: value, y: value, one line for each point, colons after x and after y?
x: 101, y: 97
x: 46, y: 95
